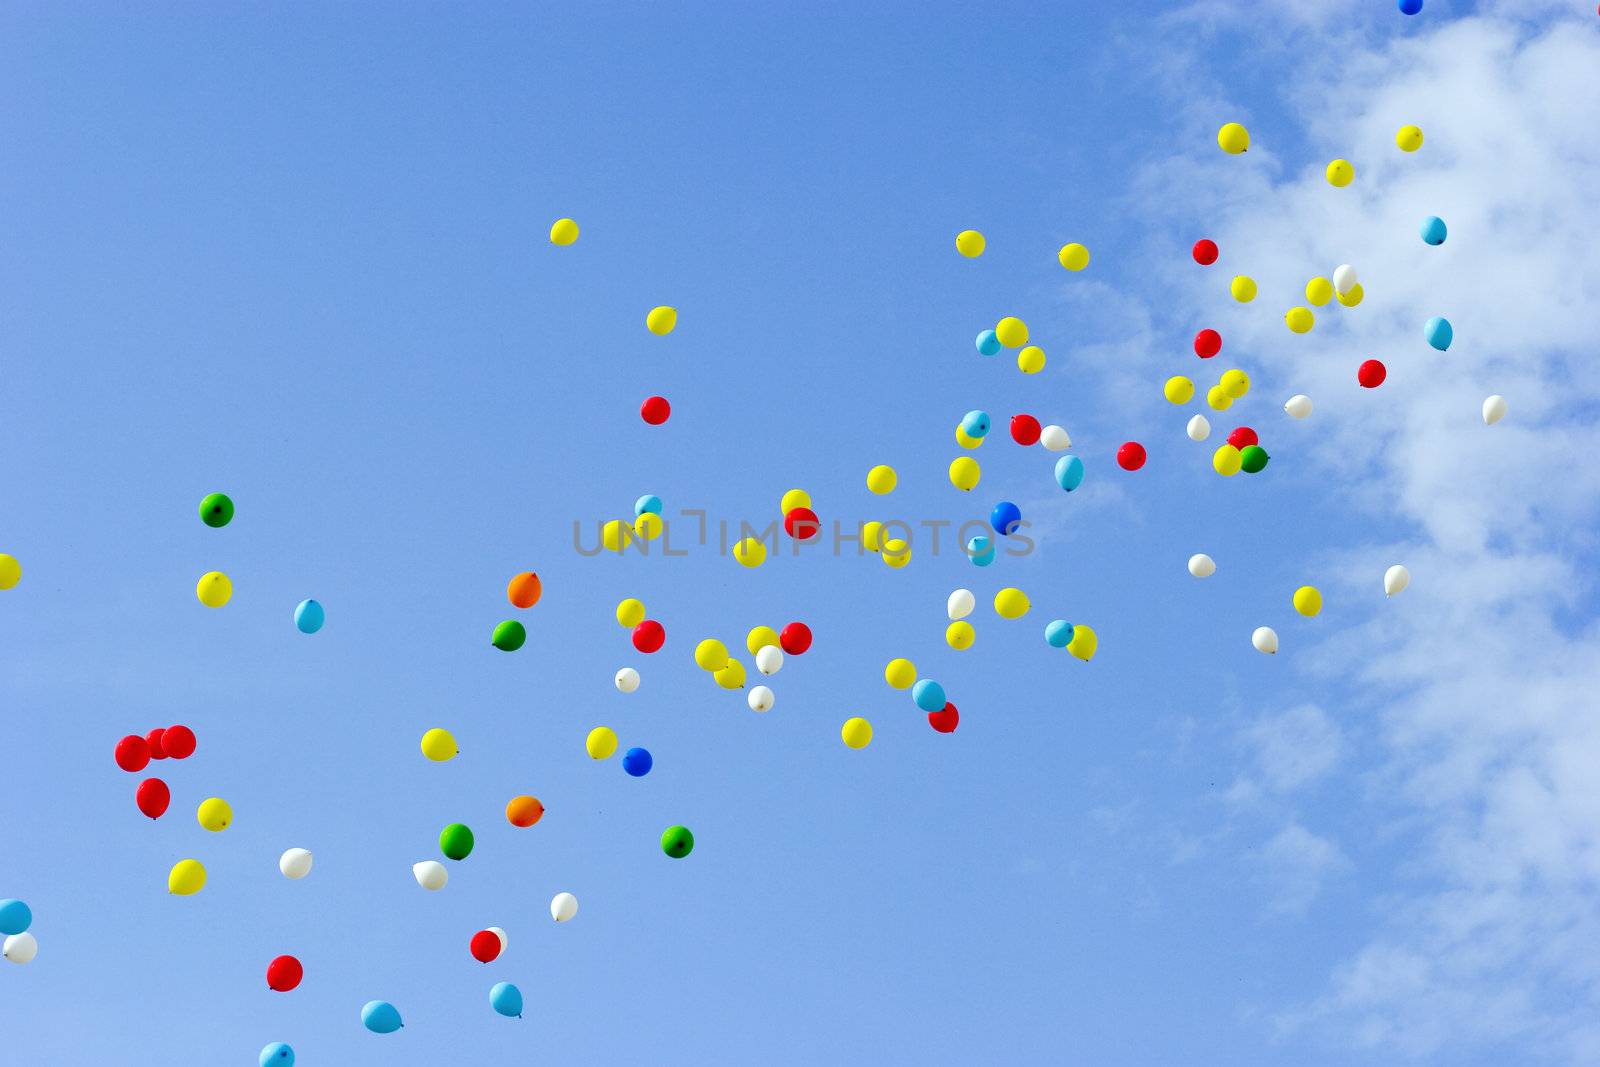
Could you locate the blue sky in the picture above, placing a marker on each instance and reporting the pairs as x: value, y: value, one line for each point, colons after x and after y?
x: 301, y: 257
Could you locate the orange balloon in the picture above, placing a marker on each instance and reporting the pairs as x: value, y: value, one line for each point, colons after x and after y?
x: 524, y: 811
x: 524, y: 590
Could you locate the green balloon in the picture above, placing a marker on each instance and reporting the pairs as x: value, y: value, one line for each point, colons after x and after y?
x: 455, y: 841
x: 1253, y: 459
x: 677, y: 841
x: 509, y: 635
x: 216, y: 510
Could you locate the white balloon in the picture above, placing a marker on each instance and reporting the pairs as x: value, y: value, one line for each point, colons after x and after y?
x: 1344, y: 279
x: 1395, y: 579
x: 1299, y: 406
x: 768, y: 659
x: 1199, y: 428
x: 20, y: 948
x: 501, y: 934
x: 760, y: 699
x: 430, y: 874
x: 960, y: 604
x: 563, y: 906
x: 1055, y: 438
x: 1494, y: 409
x: 1202, y: 565
x: 295, y: 863
x: 1265, y: 639
x: 627, y: 680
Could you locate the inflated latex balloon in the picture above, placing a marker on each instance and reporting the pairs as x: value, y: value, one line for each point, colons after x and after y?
x: 1298, y: 406
x: 928, y: 694
x: 1005, y: 517
x: 186, y: 878
x: 1204, y: 252
x: 881, y: 479
x: 1371, y: 374
x: 1265, y: 639
x: 1319, y: 291
x: 1236, y: 383
x: 966, y: 440
x: 1012, y: 332
x: 970, y: 243
x: 1352, y: 298
x: 15, y: 916
x: 563, y: 906
x: 1025, y: 430
x: 630, y: 613
x: 636, y: 762
x: 795, y: 638
x: 216, y: 510
x: 1178, y: 390
x: 214, y: 589
x: 563, y: 232
x: 1009, y: 603
x: 900, y: 674
x: 1243, y: 437
x: 945, y: 720
x: 1344, y: 279
x: 856, y: 733
x: 802, y: 524
x: 601, y: 742
x: 964, y: 472
x: 1408, y: 138
x: 178, y: 742
x: 958, y: 605
x: 648, y: 526
x: 1410, y: 7
x: 1494, y: 409
x: 896, y: 552
x: 1438, y: 333
x: 1233, y: 138
x: 132, y: 753
x: 1395, y: 579
x: 627, y: 680
x: 1058, y: 633
x: 506, y: 999
x: 439, y: 745
x: 430, y: 875
x: 523, y: 811
x: 1130, y: 455
x: 284, y: 973
x: 730, y: 675
x: 509, y: 636
x: 276, y: 1054
x: 152, y: 797
x: 1217, y: 398
x: 1433, y: 230
x: 652, y: 503
x: 1055, y: 439
x: 976, y: 424
x: 1307, y: 601
x: 1069, y: 472
x: 960, y: 635
x: 649, y: 636
x: 1227, y: 460
x: 1031, y: 360
x: 655, y: 410
x: 1207, y: 343
x: 750, y: 552
x: 988, y: 343
x: 1199, y: 428
x: 10, y: 571
x: 677, y: 841
x: 153, y: 739
x: 760, y: 698
x: 456, y: 841
x: 1243, y: 288
x: 1073, y: 256
x: 1340, y: 173
x: 1253, y: 459
x: 711, y: 655
x: 381, y: 1017
x: 295, y: 863
x: 980, y: 550
x: 1202, y: 565
x: 484, y: 946
x: 214, y: 814
x: 769, y: 659
x: 1084, y: 642
x: 19, y: 948
x: 661, y: 320
x: 309, y: 616
x: 1299, y: 320
x: 616, y: 535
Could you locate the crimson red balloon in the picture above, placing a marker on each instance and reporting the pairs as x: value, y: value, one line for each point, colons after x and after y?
x: 153, y: 796
x: 801, y: 524
x: 284, y: 973
x: 153, y: 739
x: 178, y: 742
x: 945, y: 720
x: 1207, y: 343
x: 649, y: 636
x: 1025, y: 429
x: 1130, y: 457
x: 795, y: 638
x: 1205, y: 252
x: 133, y: 753
x: 485, y: 946
x: 1243, y: 437
x: 1371, y: 374
x: 655, y: 410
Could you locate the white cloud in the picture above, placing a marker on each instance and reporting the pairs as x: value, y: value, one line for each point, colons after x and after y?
x: 1296, y: 863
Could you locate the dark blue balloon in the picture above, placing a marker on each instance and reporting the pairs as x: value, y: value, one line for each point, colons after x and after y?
x: 637, y: 762
x: 1005, y: 517
x: 1410, y: 7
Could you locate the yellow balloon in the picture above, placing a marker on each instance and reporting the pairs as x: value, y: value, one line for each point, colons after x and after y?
x: 1352, y: 298
x: 661, y: 320
x: 970, y: 243
x: 186, y: 878
x: 1341, y: 173
x: 1243, y: 288
x: 960, y: 634
x: 1012, y: 332
x: 1319, y: 291
x: 1178, y: 390
x: 214, y: 589
x: 1408, y: 138
x: 872, y: 536
x: 1218, y: 398
x: 964, y: 472
x: 214, y: 814
x: 1307, y: 601
x: 601, y: 742
x: 1030, y: 360
x: 761, y: 637
x: 10, y: 571
x: 896, y: 553
x: 856, y: 732
x: 1227, y: 460
x: 964, y: 441
x: 616, y: 535
x: 648, y: 526
x: 751, y: 552
x: 881, y: 479
x: 1235, y: 383
x: 1299, y: 320
x: 731, y: 676
x: 1233, y: 138
x: 795, y: 498
x: 1084, y: 642
x: 630, y: 613
x: 563, y: 232
x: 1073, y: 256
x: 439, y: 745
x: 900, y: 674
x: 711, y: 655
x: 1011, y: 603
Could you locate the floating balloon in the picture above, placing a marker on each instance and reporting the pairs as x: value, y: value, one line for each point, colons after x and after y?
x: 1299, y: 320
x: 1344, y: 279
x: 563, y: 906
x: 1253, y: 459
x: 1410, y: 7
x: 601, y: 743
x: 896, y: 552
x: 295, y: 863
x: 1031, y: 360
x: 661, y: 320
x: 988, y: 343
x: 900, y: 674
x: 284, y: 973
x: 1012, y: 332
x: 381, y: 1017
x: 1494, y: 409
x: 975, y: 424
x: 1207, y: 343
x: 652, y: 503
x: 1205, y: 252
x: 1340, y: 173
x: 132, y: 753
x: 1005, y: 517
x: 309, y: 616
x: 1395, y: 579
x: 1009, y: 603
x: 277, y: 1054
x: 760, y: 698
x: 1265, y: 639
x: 945, y: 720
x: 1202, y: 565
x: 1227, y: 460
x: 636, y: 762
x: 178, y: 742
x: 615, y: 535
x: 1352, y: 298
x: 711, y: 655
x: 928, y: 694
x: 430, y: 875
x: 1130, y: 456
x: 455, y: 841
x: 1199, y: 428
x: 506, y: 999
x: 509, y: 636
x: 1055, y: 439
x: 648, y: 526
x: 439, y: 745
x: 769, y: 659
x: 216, y: 510
x: 750, y: 552
x: 1236, y: 383
x: 1243, y: 288
x: 1319, y: 291
x: 630, y: 613
x: 1025, y: 430
x: 523, y: 811
x: 213, y: 589
x: 1408, y: 138
x: 802, y: 524
x: 19, y: 948
x: 1298, y: 406
x: 795, y: 639
x: 1307, y: 601
x: 563, y: 232
x: 152, y: 797
x: 10, y: 571
x: 1074, y: 256
x: 186, y: 878
x: 960, y: 635
x: 958, y: 605
x: 966, y: 440
x: 677, y: 841
x: 627, y: 680
x: 649, y: 636
x: 1178, y: 390
x: 881, y: 479
x: 1217, y: 398
x: 1084, y: 642
x: 1243, y: 437
x: 856, y: 732
x: 1438, y: 333
x: 1069, y: 472
x: 981, y: 550
x: 1058, y: 633
x: 730, y: 675
x: 970, y: 243
x: 1233, y: 138
x: 1371, y: 374
x: 1433, y: 230
x: 485, y: 946
x: 15, y: 916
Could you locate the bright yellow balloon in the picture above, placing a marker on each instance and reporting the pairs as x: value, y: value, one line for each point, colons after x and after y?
x: 439, y: 745
x: 1178, y: 390
x: 1235, y: 383
x: 10, y: 571
x: 731, y: 676
x: 795, y: 498
x: 186, y: 878
x: 1084, y: 642
x: 1299, y: 320
x: 616, y: 535
x: 630, y: 613
x: 1352, y: 298
x: 751, y: 552
x: 964, y: 472
x: 601, y: 742
x: 761, y: 637
x: 1233, y: 138
x: 711, y: 655
x: 856, y: 732
x: 661, y: 320
x: 648, y: 526
x: 1012, y: 332
x: 214, y: 589
x: 1218, y: 398
x: 563, y: 232
x: 1031, y: 360
x: 900, y: 674
x: 1243, y: 288
x: 1341, y: 173
x: 1011, y: 603
x: 896, y: 552
x: 970, y: 243
x: 1308, y: 601
x: 1227, y: 460
x: 1319, y: 291
x: 214, y: 814
x: 881, y: 479
x: 1073, y: 256
x: 960, y: 634
x: 967, y: 442
x: 872, y: 536
x: 1408, y: 138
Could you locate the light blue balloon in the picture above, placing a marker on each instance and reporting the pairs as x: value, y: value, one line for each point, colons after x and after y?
x: 15, y: 917
x: 648, y: 502
x: 277, y: 1054
x: 1058, y: 634
x: 981, y: 551
x: 928, y: 694
x: 1433, y: 230
x: 975, y: 424
x: 1439, y: 333
x: 381, y: 1017
x: 1069, y: 472
x: 506, y: 999
x: 309, y: 617
x: 988, y: 343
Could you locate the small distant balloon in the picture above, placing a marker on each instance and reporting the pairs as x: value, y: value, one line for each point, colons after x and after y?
x: 677, y: 841
x: 649, y: 636
x: 1130, y: 456
x: 1069, y: 472
x: 1084, y: 642
x: 1055, y: 439
x: 958, y: 605
x: 309, y: 616
x: 1243, y: 437
x: 178, y: 742
x: 1009, y: 603
x: 1207, y: 343
x: 1438, y: 333
x: 1307, y: 601
x: 1025, y: 430
x: 980, y: 550
x: 430, y: 875
x: 1265, y: 639
x: 1233, y: 138
x: 19, y: 948
x: 928, y: 694
x: 132, y: 753
x: 1340, y: 173
x: 439, y: 745
x: 1344, y: 279
x: 945, y: 720
x: 1073, y: 256
x: 455, y: 841
x: 213, y: 589
x: 276, y: 1054
x: 484, y: 946
x: 563, y: 906
x: 1012, y: 332
x: 1371, y: 374
x: 216, y: 510
x: 15, y: 916
x: 661, y: 320
x: 1202, y: 565
x: 563, y: 232
x: 1319, y: 291
x: 750, y: 552
x: 856, y: 732
x: 1031, y: 360
x: 1298, y: 406
x: 655, y: 410
x: 1433, y: 230
x: 506, y: 999
x: 1253, y: 459
x: 284, y: 974
x: 1205, y: 252
x: 881, y: 479
x: 1178, y: 389
x: 1299, y: 320
x: 760, y: 698
x: 1227, y: 461
x: 1243, y: 288
x: 1410, y: 7
x: 970, y: 243
x: 1395, y: 579
x: 1058, y: 633
x: 152, y: 797
x: 637, y: 762
x: 601, y: 742
x: 525, y: 589
x: 960, y: 635
x: 652, y: 503
x: 769, y: 659
x: 523, y: 811
x: 509, y: 636
x: 1005, y: 517
x: 627, y: 680
x: 1199, y: 428
x: 381, y: 1017
x: 295, y: 863
x: 795, y: 638
x: 10, y: 571
x: 1408, y: 138
x: 988, y: 343
x: 1494, y: 409
x: 186, y: 878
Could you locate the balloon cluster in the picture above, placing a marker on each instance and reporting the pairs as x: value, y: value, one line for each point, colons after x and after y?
x: 134, y: 753
x: 19, y: 945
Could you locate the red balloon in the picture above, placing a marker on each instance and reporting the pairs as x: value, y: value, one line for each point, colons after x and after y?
x: 801, y: 524
x: 655, y: 410
x: 649, y: 636
x: 485, y: 946
x: 1243, y: 437
x: 133, y: 753
x: 945, y: 720
x: 153, y: 739
x: 1130, y: 457
x: 284, y: 973
x: 178, y: 742
x: 1371, y: 374
x: 1207, y: 343
x: 153, y: 796
x: 795, y: 638
x: 1205, y: 252
x: 1025, y: 429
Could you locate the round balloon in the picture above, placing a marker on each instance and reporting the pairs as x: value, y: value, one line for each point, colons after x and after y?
x: 1205, y: 252
x: 1319, y: 291
x: 1008, y: 604
x: 730, y: 675
x: 10, y: 571
x: 1069, y: 472
x: 1227, y: 460
x: 178, y: 742
x: 928, y: 694
x: 525, y: 589
x: 711, y: 655
x: 769, y: 659
x: 509, y: 636
x: 1199, y: 428
x: 630, y: 613
x: 601, y: 742
x: 276, y: 1054
x: 430, y: 875
x: 216, y: 510
x: 760, y: 698
x: 881, y: 479
x: 1178, y: 390
x: 1233, y: 138
x: 1494, y: 409
x: 381, y: 1017
x: 1084, y: 642
x: 1055, y: 439
x: 1433, y: 230
x: 1299, y: 320
x: 1207, y: 343
x: 981, y: 550
x: 563, y: 232
x: 152, y: 797
x: 1202, y: 565
x: 964, y: 472
x: 1130, y: 456
x: 455, y: 841
x: 677, y: 841
x: 132, y: 753
x: 988, y: 343
x: 1408, y: 138
x: 284, y: 973
x: 1438, y: 333
x: 945, y: 719
x: 960, y: 635
x: 1253, y: 459
x: 795, y: 639
x: 19, y: 948
x: 627, y: 680
x: 1340, y: 173
x: 652, y: 503
x: 439, y: 745
x: 1344, y: 279
x: 1307, y: 601
x: 1371, y: 374
x: 15, y: 916
x: 523, y: 811
x: 214, y: 814
x: 900, y: 674
x: 1058, y: 633
x: 1395, y: 579
x: 970, y: 243
x: 186, y: 878
x: 1265, y: 639
x: 649, y: 636
x: 506, y: 999
x: 1005, y: 517
x: 750, y: 552
x: 655, y: 410
x: 1073, y: 256
x: 1031, y: 360
x: 1243, y: 288
x: 856, y: 732
x: 153, y: 739
x: 295, y: 863
x: 637, y: 762
x: 661, y: 320
x: 959, y: 604
x: 563, y: 906
x: 1025, y: 429
x: 484, y: 946
x: 1298, y: 406
x: 1236, y: 383
x: 1352, y: 298
x: 309, y: 616
x: 213, y: 589
x: 1012, y: 332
